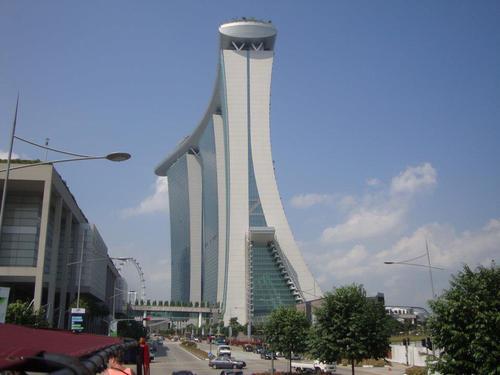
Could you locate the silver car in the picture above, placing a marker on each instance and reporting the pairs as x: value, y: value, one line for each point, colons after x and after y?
x: 226, y: 362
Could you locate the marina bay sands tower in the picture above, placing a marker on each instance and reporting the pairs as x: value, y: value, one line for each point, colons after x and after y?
x: 230, y: 239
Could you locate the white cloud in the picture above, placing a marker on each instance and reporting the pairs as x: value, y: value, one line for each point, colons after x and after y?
x: 373, y: 182
x: 405, y: 284
x: 347, y: 202
x: 364, y: 224
x: 349, y: 263
x: 156, y: 202
x: 414, y: 179
x: 308, y: 200
x: 374, y: 215
x: 5, y: 155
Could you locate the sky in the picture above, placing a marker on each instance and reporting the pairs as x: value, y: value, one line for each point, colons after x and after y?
x: 385, y: 124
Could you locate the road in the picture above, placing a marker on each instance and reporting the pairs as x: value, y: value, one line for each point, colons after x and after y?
x: 172, y: 357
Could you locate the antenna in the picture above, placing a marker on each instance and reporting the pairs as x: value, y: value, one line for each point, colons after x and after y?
x: 430, y: 268
x: 46, y: 150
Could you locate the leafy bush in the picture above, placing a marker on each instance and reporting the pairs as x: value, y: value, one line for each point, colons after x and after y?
x: 22, y: 313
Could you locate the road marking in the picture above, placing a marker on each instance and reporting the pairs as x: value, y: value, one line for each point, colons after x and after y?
x: 187, y: 351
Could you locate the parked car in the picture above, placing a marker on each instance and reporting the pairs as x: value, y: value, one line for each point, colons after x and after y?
x: 231, y: 372
x: 266, y: 354
x: 314, y: 367
x: 248, y: 348
x: 258, y: 349
x: 226, y: 362
x: 223, y: 350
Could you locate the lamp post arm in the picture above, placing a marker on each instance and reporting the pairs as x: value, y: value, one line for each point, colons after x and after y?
x: 54, y: 162
x: 50, y: 148
x: 416, y: 264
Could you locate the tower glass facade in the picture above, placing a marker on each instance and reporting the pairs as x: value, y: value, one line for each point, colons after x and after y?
x: 269, y: 288
x: 179, y: 226
x: 210, y: 256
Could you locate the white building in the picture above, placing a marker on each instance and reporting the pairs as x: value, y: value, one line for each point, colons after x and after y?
x: 230, y: 238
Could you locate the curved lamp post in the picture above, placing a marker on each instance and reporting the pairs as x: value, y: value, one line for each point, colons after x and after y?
x: 115, y: 156
x: 408, y: 262
x: 430, y: 267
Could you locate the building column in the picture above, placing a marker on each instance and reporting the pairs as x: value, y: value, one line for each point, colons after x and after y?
x: 42, y: 243
x: 63, y: 290
x: 200, y: 319
x: 54, y: 261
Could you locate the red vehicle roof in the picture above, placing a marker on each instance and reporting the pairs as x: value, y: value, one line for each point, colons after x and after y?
x: 19, y: 342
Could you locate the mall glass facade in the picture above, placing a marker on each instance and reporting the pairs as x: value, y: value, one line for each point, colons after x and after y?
x: 21, y: 229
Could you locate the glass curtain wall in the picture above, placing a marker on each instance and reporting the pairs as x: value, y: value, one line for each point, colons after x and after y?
x: 21, y: 230
x: 179, y: 229
x: 210, y: 251
x: 269, y: 289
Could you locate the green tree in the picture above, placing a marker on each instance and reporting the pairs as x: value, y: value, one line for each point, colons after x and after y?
x: 396, y: 327
x: 465, y: 323
x: 235, y: 326
x: 131, y: 329
x: 350, y: 326
x: 154, y: 303
x: 286, y: 331
x: 22, y: 313
x: 165, y: 303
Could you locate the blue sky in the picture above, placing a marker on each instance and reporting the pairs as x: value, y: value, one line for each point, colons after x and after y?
x: 385, y: 123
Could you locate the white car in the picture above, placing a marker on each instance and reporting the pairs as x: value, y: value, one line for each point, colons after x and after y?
x: 316, y: 366
x: 224, y: 350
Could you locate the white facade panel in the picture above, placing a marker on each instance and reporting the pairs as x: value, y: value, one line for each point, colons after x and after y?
x: 220, y: 155
x: 260, y: 92
x: 195, y: 229
x: 235, y: 73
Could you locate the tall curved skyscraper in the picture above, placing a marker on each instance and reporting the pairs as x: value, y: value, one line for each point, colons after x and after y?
x: 230, y: 239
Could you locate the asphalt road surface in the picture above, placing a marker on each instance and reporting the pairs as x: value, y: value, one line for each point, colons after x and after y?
x: 172, y: 357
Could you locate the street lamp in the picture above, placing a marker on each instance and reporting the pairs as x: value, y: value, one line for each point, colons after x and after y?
x: 430, y: 267
x: 408, y: 262
x: 114, y: 156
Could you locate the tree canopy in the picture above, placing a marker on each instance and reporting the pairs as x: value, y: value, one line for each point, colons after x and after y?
x: 20, y: 312
x: 286, y: 330
x: 350, y: 326
x: 465, y: 323
x: 236, y: 327
x: 131, y: 329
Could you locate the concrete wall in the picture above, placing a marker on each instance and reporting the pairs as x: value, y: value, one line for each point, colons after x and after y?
x: 416, y: 354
